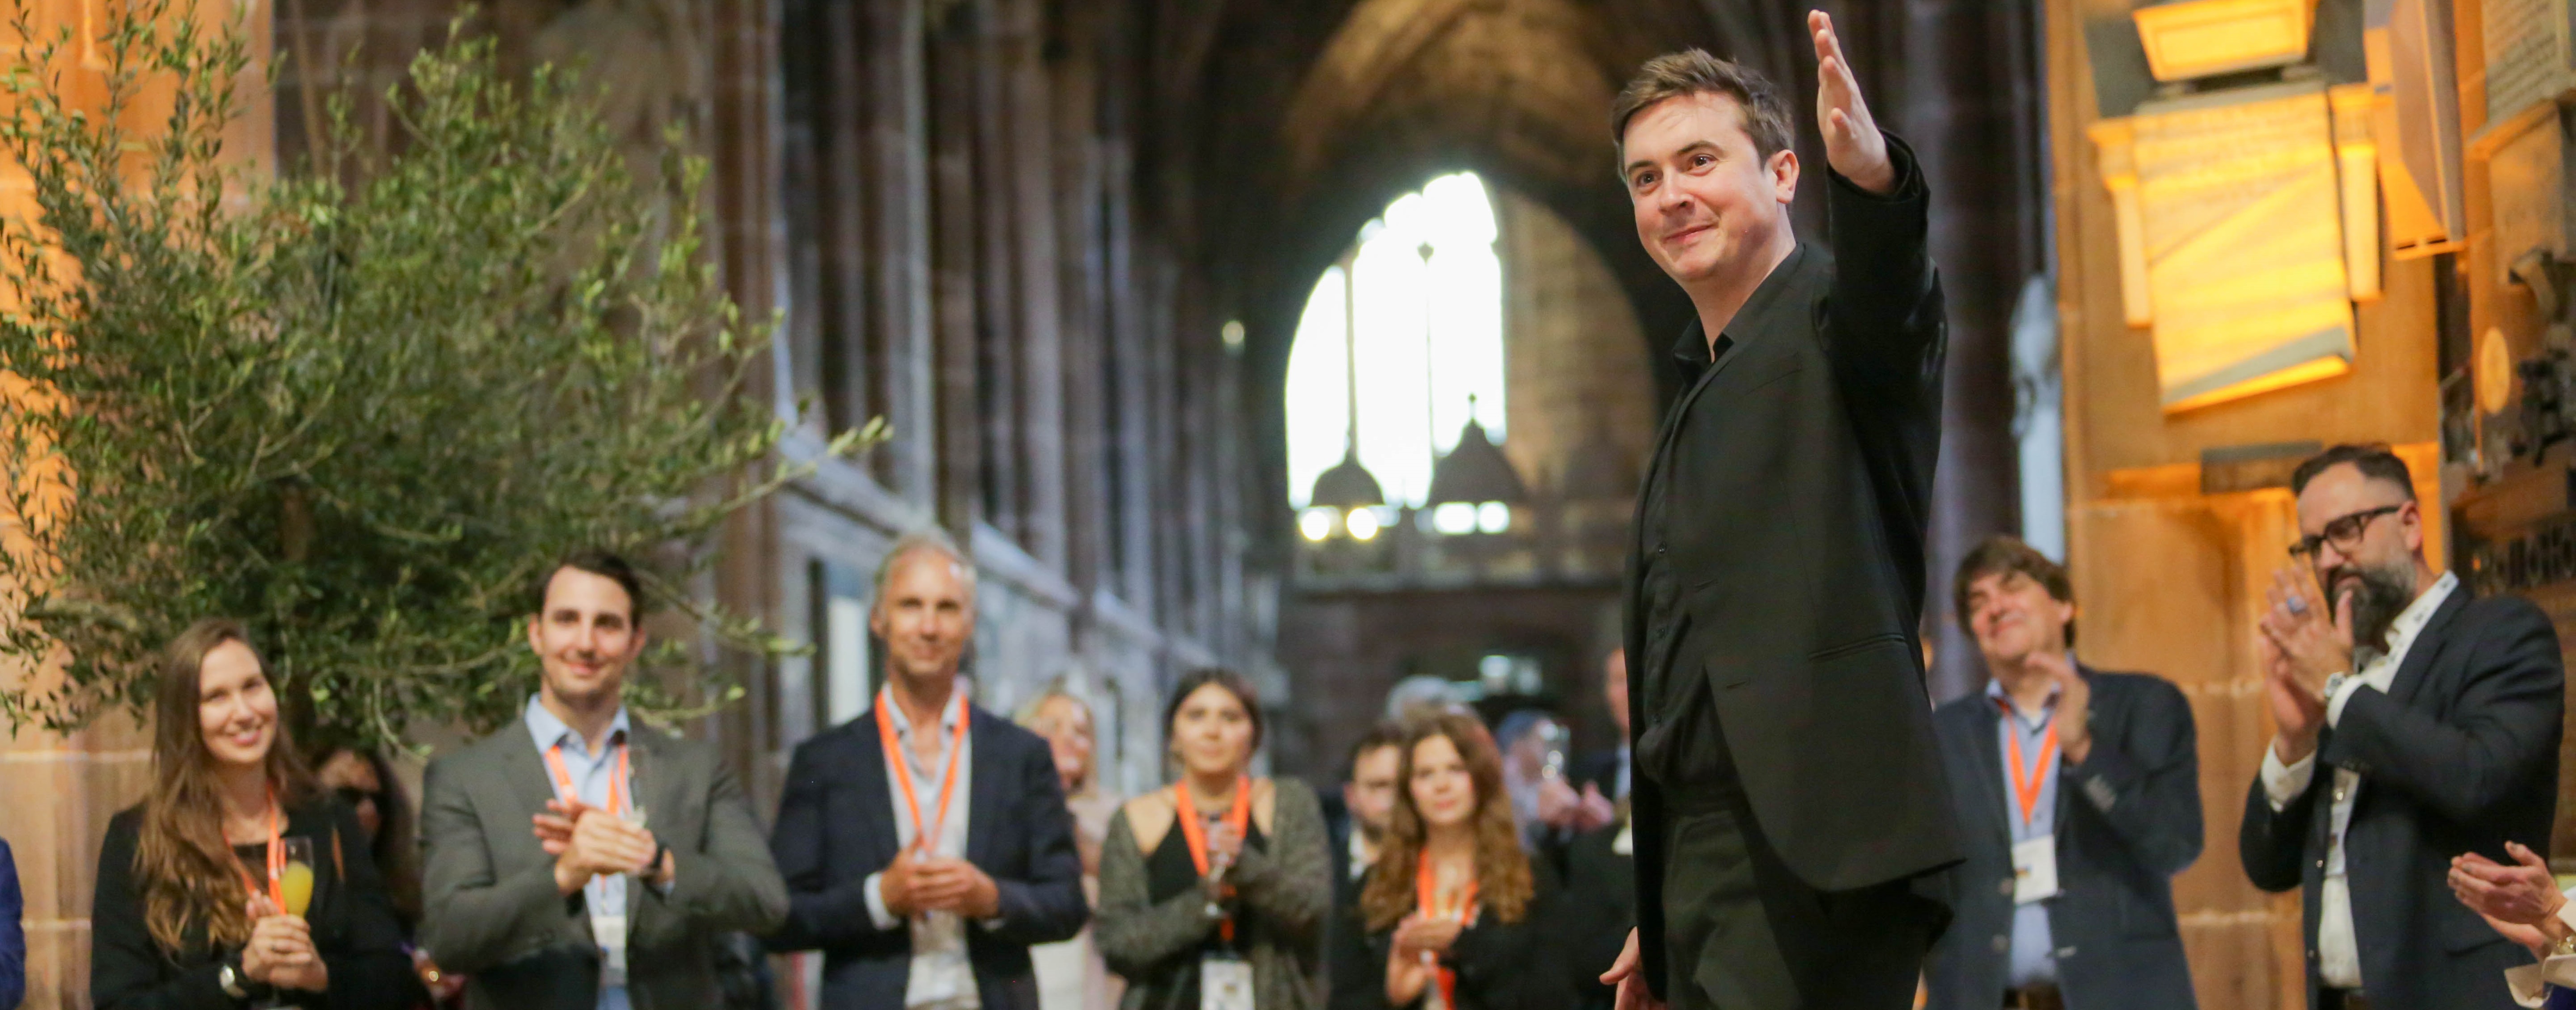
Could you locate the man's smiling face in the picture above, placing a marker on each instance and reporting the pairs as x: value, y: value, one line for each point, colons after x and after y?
x: 1705, y: 197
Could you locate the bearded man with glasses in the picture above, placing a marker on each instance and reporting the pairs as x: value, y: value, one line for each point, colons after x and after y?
x: 2415, y: 724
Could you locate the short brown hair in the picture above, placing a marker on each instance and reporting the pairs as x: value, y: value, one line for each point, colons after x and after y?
x: 2005, y: 555
x: 1695, y: 72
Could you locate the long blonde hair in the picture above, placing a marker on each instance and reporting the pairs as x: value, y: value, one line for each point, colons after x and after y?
x: 188, y: 874
x: 1503, y: 882
x: 1032, y: 717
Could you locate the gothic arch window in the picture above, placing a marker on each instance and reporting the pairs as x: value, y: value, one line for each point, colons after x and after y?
x: 1429, y: 258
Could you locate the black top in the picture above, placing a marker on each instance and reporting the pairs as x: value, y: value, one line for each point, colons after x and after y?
x: 1169, y: 871
x: 1501, y: 965
x: 1779, y: 561
x: 352, y: 921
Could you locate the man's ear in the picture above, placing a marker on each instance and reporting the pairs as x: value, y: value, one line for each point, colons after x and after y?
x: 1783, y: 167
x: 536, y: 643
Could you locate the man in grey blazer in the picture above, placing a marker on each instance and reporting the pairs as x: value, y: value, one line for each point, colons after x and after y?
x: 2078, y: 797
x: 575, y: 861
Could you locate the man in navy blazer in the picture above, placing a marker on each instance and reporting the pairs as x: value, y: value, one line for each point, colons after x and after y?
x: 926, y: 844
x: 2078, y: 797
x: 2415, y: 724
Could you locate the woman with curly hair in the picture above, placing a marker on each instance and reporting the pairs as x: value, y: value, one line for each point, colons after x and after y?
x: 1456, y: 912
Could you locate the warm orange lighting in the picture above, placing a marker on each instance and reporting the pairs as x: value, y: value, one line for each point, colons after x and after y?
x: 2197, y: 38
x: 2323, y: 368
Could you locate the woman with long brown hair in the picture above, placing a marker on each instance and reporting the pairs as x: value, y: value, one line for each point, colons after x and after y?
x: 1456, y: 911
x: 236, y: 879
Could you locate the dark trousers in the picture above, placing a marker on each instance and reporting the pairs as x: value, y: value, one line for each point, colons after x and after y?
x: 1743, y: 933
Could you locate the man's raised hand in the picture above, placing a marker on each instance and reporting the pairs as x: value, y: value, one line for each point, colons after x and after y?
x: 1853, y: 145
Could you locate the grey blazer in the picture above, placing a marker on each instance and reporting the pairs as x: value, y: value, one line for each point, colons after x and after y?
x: 1287, y: 889
x: 491, y: 911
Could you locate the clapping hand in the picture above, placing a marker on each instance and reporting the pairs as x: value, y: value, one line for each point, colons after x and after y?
x: 2520, y: 901
x: 587, y: 841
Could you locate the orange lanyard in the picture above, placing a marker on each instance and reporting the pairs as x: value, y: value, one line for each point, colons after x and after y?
x: 276, y: 861
x: 570, y: 793
x: 926, y: 839
x: 1195, y: 833
x: 2026, y: 785
x: 1426, y: 894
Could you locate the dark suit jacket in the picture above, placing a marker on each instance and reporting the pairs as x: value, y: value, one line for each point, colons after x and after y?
x: 2459, y: 755
x: 836, y: 826
x: 1795, y: 533
x: 13, y: 935
x: 491, y: 910
x: 2128, y: 819
x: 352, y: 921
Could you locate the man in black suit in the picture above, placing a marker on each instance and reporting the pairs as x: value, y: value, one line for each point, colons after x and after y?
x: 2079, y: 799
x: 2415, y: 724
x: 1790, y: 813
x: 926, y: 844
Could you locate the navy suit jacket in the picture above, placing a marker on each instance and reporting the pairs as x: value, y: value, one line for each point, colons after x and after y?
x: 2460, y: 754
x: 836, y: 826
x: 13, y: 935
x: 2128, y: 819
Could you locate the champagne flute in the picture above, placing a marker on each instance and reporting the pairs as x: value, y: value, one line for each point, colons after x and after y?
x: 295, y: 882
x: 1218, y: 862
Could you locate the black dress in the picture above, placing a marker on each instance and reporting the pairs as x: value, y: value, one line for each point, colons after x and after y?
x: 1169, y: 872
x: 353, y: 925
x: 1501, y: 965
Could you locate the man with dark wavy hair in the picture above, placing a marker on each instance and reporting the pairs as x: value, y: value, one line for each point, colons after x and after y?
x: 1791, y: 819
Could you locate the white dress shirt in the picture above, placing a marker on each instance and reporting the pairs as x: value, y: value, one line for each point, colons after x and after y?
x: 2530, y: 983
x: 2338, y: 953
x: 942, y: 978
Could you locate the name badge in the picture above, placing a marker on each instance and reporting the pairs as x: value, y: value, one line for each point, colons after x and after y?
x: 2034, y: 870
x: 1225, y: 983
x: 609, y: 932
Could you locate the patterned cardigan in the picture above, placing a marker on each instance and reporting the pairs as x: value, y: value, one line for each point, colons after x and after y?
x: 1287, y: 893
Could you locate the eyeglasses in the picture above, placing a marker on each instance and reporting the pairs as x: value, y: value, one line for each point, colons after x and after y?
x: 2344, y: 532
x: 351, y: 795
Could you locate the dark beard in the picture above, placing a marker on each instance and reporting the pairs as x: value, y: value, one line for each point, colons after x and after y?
x: 2383, y: 594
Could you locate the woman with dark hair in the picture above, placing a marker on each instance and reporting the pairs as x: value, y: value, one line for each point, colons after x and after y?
x: 1455, y: 909
x: 1213, y: 892
x: 364, y: 781
x: 234, y: 879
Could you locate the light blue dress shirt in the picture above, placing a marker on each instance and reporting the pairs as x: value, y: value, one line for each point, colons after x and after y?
x: 591, y: 774
x: 2033, y: 959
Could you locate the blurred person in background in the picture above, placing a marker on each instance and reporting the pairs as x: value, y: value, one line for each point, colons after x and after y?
x: 1071, y: 975
x: 13, y: 933
x: 1458, y: 914
x: 1214, y: 892
x: 1368, y: 794
x: 364, y: 781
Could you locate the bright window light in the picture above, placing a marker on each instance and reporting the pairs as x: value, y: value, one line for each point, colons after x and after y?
x: 1493, y: 517
x: 1363, y: 524
x: 1426, y: 337
x: 1316, y: 523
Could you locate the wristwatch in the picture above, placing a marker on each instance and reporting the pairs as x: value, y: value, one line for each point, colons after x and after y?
x: 229, y: 976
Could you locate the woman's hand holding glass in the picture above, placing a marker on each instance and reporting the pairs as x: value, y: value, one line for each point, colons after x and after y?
x: 280, y: 953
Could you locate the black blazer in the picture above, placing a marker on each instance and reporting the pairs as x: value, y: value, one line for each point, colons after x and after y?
x: 1598, y: 909
x: 1795, y: 533
x: 2459, y: 755
x: 836, y: 826
x: 352, y: 921
x: 1501, y: 965
x: 2128, y: 819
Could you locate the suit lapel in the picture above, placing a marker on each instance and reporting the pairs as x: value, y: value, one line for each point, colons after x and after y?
x: 876, y: 798
x: 2428, y: 646
x: 525, y: 768
x: 656, y: 781
x: 1990, y: 757
x: 984, y: 792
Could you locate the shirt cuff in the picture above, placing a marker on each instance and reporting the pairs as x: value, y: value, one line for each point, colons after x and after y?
x: 2525, y: 983
x: 877, y: 912
x: 2281, y: 783
x: 2343, y: 693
